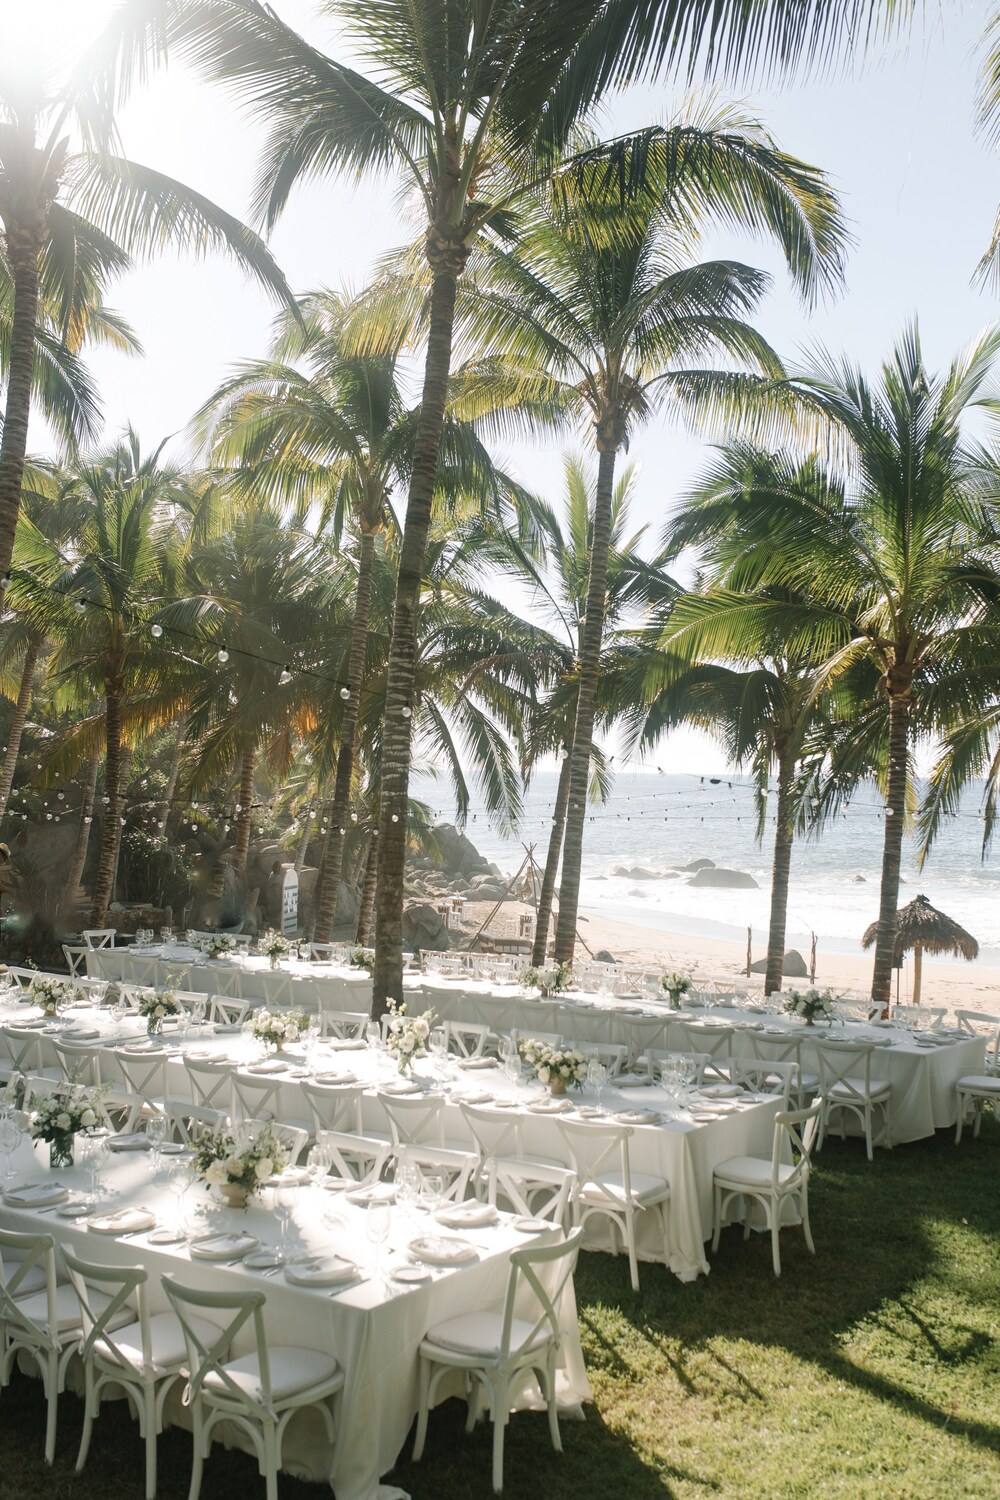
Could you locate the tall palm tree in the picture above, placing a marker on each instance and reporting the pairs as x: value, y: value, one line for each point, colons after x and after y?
x: 614, y: 309
x: 73, y: 213
x: 890, y: 556
x: 97, y: 596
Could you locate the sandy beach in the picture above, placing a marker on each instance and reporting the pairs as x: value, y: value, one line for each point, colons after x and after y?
x: 950, y: 982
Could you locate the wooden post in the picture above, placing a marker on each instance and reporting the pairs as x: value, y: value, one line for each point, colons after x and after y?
x: 812, y: 960
x: 918, y: 964
x: 749, y: 950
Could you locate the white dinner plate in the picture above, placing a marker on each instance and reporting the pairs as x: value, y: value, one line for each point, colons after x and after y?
x: 411, y: 1275
x: 35, y: 1194
x: 466, y: 1215
x: 318, y: 1270
x: 442, y: 1250
x: 531, y: 1226
x: 223, y: 1246
x: 124, y: 1221
x: 637, y: 1117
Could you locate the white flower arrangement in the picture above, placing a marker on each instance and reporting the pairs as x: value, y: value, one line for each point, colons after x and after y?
x: 550, y: 981
x: 362, y: 958
x: 58, y: 1115
x: 274, y: 946
x: 406, y: 1036
x: 156, y: 1005
x: 675, y: 985
x: 277, y: 1028
x: 219, y: 945
x: 811, y: 1004
x: 49, y: 993
x: 553, y: 1065
x: 223, y: 1159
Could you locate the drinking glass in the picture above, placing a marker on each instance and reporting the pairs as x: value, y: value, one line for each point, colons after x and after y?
x: 437, y: 1046
x: 378, y: 1221
x: 317, y: 1163
x: 98, y: 1156
x: 178, y: 1182
x: 431, y: 1191
x: 285, y: 1193
x: 197, y: 1012
x: 407, y: 1188
x: 597, y: 1077
x: 10, y: 1139
x: 157, y: 1129
x: 373, y: 1034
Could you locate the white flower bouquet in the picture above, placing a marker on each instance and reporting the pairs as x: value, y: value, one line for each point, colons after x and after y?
x: 406, y: 1036
x: 220, y: 945
x: 675, y: 985
x: 240, y: 1163
x: 276, y: 1028
x: 810, y: 1005
x: 57, y: 1116
x: 274, y: 946
x: 555, y: 1067
x: 49, y: 993
x: 550, y: 981
x: 363, y: 958
x: 158, y: 1004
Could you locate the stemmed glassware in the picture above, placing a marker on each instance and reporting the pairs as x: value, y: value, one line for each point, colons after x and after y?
x: 285, y: 1195
x: 431, y: 1191
x: 178, y: 1181
x: 597, y: 1077
x: 407, y: 1188
x: 378, y: 1222
x: 10, y: 1139
x: 98, y: 1155
x: 157, y: 1129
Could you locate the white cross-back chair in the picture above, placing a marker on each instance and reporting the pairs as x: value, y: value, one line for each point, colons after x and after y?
x: 608, y: 1188
x: 325, y: 953
x: 640, y: 1033
x: 536, y: 1015
x: 772, y: 1183
x: 220, y: 979
x: 345, y: 1025
x: 75, y: 955
x: 976, y: 1023
x: 470, y: 1039
x: 224, y: 1010
x: 96, y: 938
x: 293, y: 1139
x: 534, y: 1190
x: 255, y: 1095
x: 145, y: 1077
x: 23, y: 1049
x: 919, y: 1015
x: 613, y: 1055
x: 144, y: 1355
x: 656, y: 1062
x: 44, y: 1325
x: 189, y: 1121
x: 333, y: 1106
x: 210, y: 1082
x: 498, y: 1347
x: 143, y: 969
x: 717, y: 1041
x: 414, y: 1119
x: 357, y: 1160
x: 259, y: 1391
x: 846, y: 1086
x: 276, y: 987
x: 787, y: 1049
x: 455, y: 1168
x: 521, y: 1034
x: 778, y: 1078
x: 975, y: 1091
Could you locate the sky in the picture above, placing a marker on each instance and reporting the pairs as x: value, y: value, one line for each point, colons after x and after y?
x: 896, y: 138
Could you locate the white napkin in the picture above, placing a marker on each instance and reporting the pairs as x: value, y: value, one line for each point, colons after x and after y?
x: 466, y: 1215
x: 125, y: 1221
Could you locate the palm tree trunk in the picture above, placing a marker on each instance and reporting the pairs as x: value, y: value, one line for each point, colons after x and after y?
x: 586, y: 706
x: 23, y: 251
x: 885, y: 939
x: 918, y: 970
x: 367, y: 896
x: 244, y: 819
x: 79, y: 858
x: 17, y: 723
x: 784, y: 835
x: 333, y: 859
x: 543, y: 916
x: 173, y: 773
x: 395, y: 773
x: 123, y: 776
x: 112, y: 791
x: 307, y: 832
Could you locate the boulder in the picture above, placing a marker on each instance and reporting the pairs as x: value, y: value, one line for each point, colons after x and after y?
x: 723, y: 879
x: 602, y: 956
x: 424, y: 927
x: 698, y: 864
x: 859, y: 880
x: 793, y: 965
x: 637, y: 872
x: 457, y: 854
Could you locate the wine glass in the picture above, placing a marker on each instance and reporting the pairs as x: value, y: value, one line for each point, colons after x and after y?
x: 597, y: 1077
x: 378, y: 1222
x: 178, y: 1182
x: 10, y: 1139
x: 98, y: 1155
x: 431, y: 1191
x: 197, y: 1012
x: 317, y: 1163
x: 284, y: 1198
x: 407, y: 1187
x: 157, y: 1127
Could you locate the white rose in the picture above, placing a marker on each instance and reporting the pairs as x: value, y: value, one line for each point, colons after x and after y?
x: 234, y: 1166
x: 63, y: 1121
x: 543, y: 1074
x: 88, y: 1118
x: 160, y: 1010
x: 292, y: 1033
x: 264, y: 1168
x: 421, y: 1029
x: 216, y: 1174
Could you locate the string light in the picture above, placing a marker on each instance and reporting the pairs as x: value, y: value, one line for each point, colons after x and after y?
x: 223, y: 655
x: 156, y: 631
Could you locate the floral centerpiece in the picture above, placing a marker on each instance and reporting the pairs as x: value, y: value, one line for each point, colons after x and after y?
x: 220, y: 945
x: 406, y: 1036
x: 675, y: 985
x: 362, y: 958
x: 277, y: 1028
x: 556, y: 1067
x: 49, y: 993
x: 275, y: 947
x: 550, y: 980
x: 238, y: 1165
x: 57, y: 1116
x: 810, y: 1005
x: 155, y: 1006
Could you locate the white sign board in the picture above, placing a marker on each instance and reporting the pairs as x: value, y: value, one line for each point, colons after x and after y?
x: 289, y: 902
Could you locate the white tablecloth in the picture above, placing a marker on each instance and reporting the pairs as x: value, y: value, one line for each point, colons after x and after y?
x: 311, y: 986
x: 373, y: 1329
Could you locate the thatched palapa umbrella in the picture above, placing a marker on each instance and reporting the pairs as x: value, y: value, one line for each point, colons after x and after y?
x: 921, y: 926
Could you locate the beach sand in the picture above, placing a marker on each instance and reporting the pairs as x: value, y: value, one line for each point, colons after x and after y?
x: 951, y: 982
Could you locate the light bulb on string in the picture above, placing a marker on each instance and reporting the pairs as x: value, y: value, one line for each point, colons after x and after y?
x: 345, y: 693
x: 407, y: 712
x: 156, y: 631
x: 285, y: 677
x: 395, y: 817
x: 223, y: 655
x: 80, y: 605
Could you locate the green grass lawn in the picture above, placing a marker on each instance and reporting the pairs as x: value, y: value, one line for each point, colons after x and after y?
x: 870, y: 1370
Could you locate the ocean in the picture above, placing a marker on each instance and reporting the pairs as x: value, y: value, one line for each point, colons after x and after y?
x: 654, y: 822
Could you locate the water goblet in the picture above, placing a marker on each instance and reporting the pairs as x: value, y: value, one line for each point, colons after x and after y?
x: 284, y: 1199
x: 178, y: 1182
x: 597, y: 1077
x: 10, y: 1139
x: 431, y: 1191
x: 157, y: 1130
x: 378, y: 1222
x: 407, y: 1188
x: 317, y: 1163
x: 98, y: 1156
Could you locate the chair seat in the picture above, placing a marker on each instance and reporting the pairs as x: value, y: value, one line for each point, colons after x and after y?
x: 879, y: 1088
x: 646, y: 1190
x: 753, y: 1171
x: 34, y: 1281
x: 166, y: 1342
x: 292, y: 1370
x: 981, y: 1083
x: 479, y: 1334
x: 68, y: 1315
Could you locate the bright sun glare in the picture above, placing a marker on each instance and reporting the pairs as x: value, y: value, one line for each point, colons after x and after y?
x: 51, y: 33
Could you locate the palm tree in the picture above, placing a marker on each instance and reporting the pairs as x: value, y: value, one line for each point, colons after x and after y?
x: 97, y: 597
x: 611, y: 310
x: 71, y: 219
x: 890, y: 557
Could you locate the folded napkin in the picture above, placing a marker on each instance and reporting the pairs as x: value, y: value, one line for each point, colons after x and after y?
x: 336, y: 1078
x: 631, y: 1081
x: 223, y: 1246
x: 637, y: 1117
x: 125, y: 1221
x: 376, y: 1192
x: 550, y: 1106
x: 269, y: 1065
x: 346, y: 1043
x: 442, y: 1251
x: 35, y: 1194
x: 315, y: 1272
x: 81, y: 1034
x: 226, y: 1028
x: 466, y: 1215
x: 470, y: 1064
x: 135, y: 1141
x: 404, y: 1086
x: 720, y: 1091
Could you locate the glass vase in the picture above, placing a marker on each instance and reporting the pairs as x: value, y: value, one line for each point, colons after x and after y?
x: 61, y: 1151
x: 154, y: 1025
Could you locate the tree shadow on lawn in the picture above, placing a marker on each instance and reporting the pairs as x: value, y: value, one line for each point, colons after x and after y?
x: 880, y: 1230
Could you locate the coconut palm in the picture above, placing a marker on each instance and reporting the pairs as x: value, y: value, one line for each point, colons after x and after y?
x: 890, y: 557
x: 615, y: 311
x: 73, y: 213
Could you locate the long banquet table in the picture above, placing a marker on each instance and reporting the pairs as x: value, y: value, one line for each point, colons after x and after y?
x: 373, y: 1327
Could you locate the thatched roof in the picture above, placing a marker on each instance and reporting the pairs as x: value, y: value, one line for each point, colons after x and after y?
x: 920, y: 923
